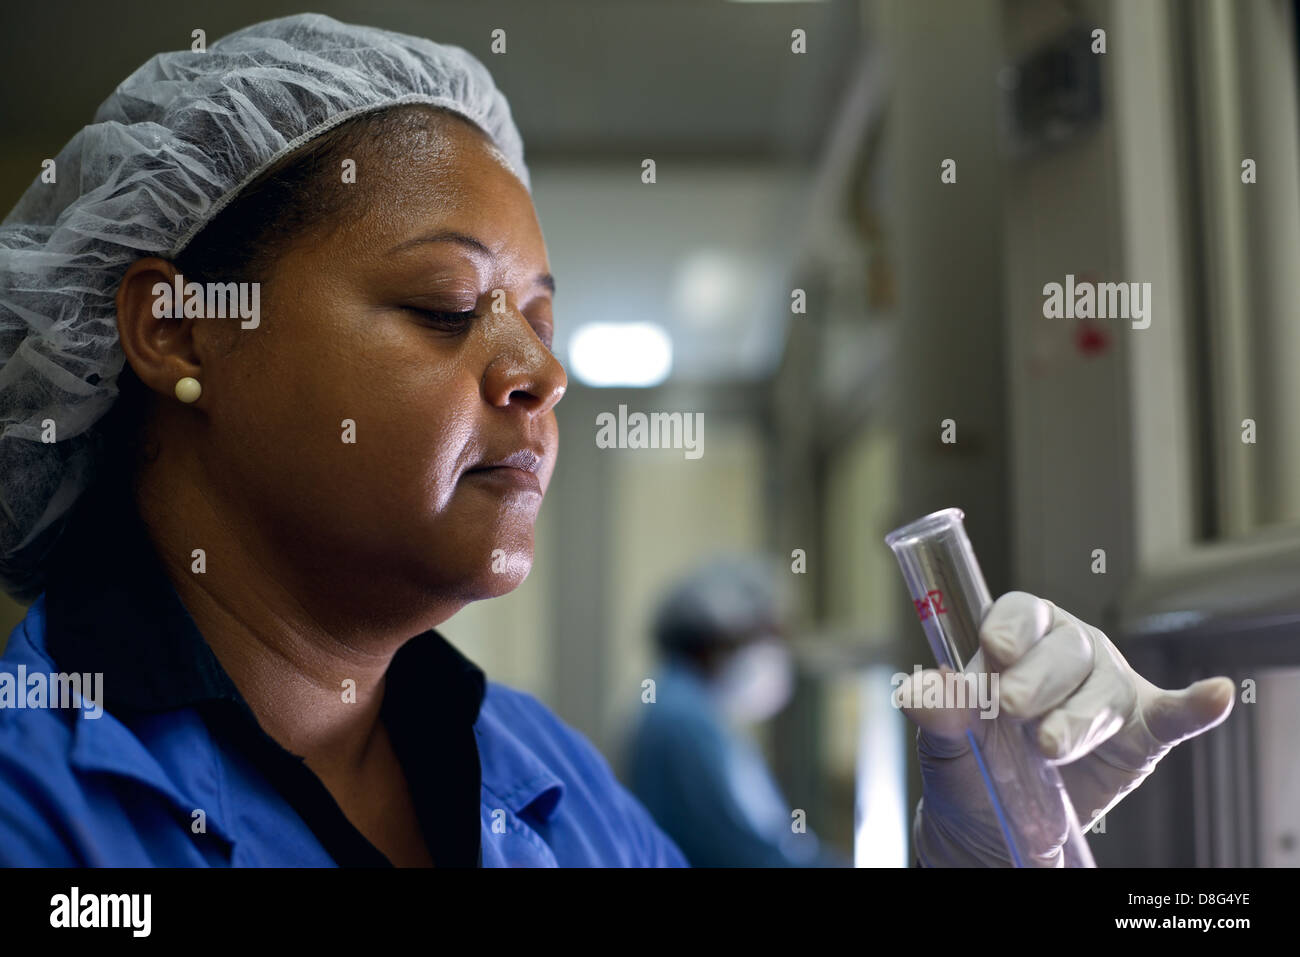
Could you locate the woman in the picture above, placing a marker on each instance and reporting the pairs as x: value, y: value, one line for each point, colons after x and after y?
x: 237, y: 501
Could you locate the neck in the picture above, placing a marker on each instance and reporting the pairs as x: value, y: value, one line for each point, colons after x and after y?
x: 296, y: 631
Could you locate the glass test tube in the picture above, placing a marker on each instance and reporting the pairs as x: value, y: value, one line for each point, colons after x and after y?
x: 951, y: 599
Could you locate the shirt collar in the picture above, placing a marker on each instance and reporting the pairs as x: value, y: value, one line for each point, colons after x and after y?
x: 111, y: 609
x: 512, y: 770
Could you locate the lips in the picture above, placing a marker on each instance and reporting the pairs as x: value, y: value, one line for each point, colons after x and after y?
x: 517, y: 471
x: 526, y: 460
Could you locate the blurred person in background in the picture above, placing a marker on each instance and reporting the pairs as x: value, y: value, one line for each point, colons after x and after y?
x: 692, y: 758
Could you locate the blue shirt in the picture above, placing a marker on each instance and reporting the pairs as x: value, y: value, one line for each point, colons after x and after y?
x: 708, y: 786
x: 175, y: 770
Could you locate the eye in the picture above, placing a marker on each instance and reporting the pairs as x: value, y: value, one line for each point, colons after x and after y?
x: 542, y: 323
x: 546, y: 334
x: 445, y: 320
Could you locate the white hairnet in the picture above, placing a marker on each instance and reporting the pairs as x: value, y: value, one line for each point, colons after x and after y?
x: 171, y: 147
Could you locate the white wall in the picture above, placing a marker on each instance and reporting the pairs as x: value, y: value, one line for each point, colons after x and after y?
x: 667, y: 514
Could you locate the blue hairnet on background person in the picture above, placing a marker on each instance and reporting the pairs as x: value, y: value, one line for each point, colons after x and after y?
x: 241, y: 520
x: 690, y: 757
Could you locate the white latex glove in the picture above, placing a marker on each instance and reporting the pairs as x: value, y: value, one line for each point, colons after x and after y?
x: 1104, y: 724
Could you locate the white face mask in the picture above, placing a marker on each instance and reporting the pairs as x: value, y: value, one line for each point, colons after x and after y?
x: 756, y: 682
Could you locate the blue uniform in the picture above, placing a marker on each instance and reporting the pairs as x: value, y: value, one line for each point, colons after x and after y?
x: 82, y: 791
x: 708, y: 785
x: 175, y: 771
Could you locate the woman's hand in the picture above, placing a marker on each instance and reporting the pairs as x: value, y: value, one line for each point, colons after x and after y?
x: 1102, y: 722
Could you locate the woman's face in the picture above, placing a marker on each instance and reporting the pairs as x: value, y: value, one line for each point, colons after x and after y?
x: 348, y: 334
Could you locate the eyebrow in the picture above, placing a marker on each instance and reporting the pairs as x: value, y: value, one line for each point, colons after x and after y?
x: 451, y: 236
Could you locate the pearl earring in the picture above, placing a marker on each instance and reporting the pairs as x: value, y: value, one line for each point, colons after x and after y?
x: 188, y: 389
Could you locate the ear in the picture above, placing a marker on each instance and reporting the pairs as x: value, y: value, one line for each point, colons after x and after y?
x: 160, y: 350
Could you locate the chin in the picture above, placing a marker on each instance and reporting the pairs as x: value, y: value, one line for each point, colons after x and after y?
x: 498, y: 571
x: 508, y: 570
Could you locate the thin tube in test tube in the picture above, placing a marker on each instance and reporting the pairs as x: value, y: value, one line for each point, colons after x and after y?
x: 951, y: 599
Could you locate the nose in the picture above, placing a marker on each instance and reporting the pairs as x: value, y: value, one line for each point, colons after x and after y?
x: 525, y: 373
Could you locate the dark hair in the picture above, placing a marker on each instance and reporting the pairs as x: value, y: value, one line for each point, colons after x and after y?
x: 302, y: 193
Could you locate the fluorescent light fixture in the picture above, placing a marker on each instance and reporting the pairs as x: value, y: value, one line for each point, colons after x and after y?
x: 607, y: 354
x: 708, y: 288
